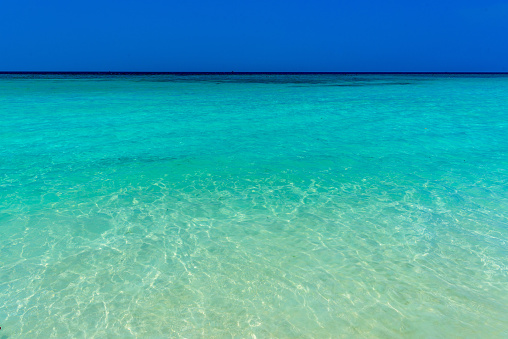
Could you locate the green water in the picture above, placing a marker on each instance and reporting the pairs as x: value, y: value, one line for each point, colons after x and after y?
x: 253, y: 206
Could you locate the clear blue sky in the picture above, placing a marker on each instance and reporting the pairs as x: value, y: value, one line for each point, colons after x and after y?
x: 253, y: 35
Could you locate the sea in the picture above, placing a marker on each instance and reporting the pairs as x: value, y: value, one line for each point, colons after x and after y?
x: 251, y: 205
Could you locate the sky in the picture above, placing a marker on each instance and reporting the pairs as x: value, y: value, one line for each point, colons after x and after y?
x: 254, y: 35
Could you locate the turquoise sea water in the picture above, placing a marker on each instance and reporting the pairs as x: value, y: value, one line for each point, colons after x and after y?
x: 253, y: 206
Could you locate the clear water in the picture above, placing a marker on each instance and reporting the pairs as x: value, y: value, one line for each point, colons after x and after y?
x: 291, y: 206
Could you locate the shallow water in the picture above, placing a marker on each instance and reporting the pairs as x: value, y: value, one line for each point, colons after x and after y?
x: 299, y: 206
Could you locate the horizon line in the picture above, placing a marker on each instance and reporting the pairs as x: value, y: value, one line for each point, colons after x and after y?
x: 223, y: 72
